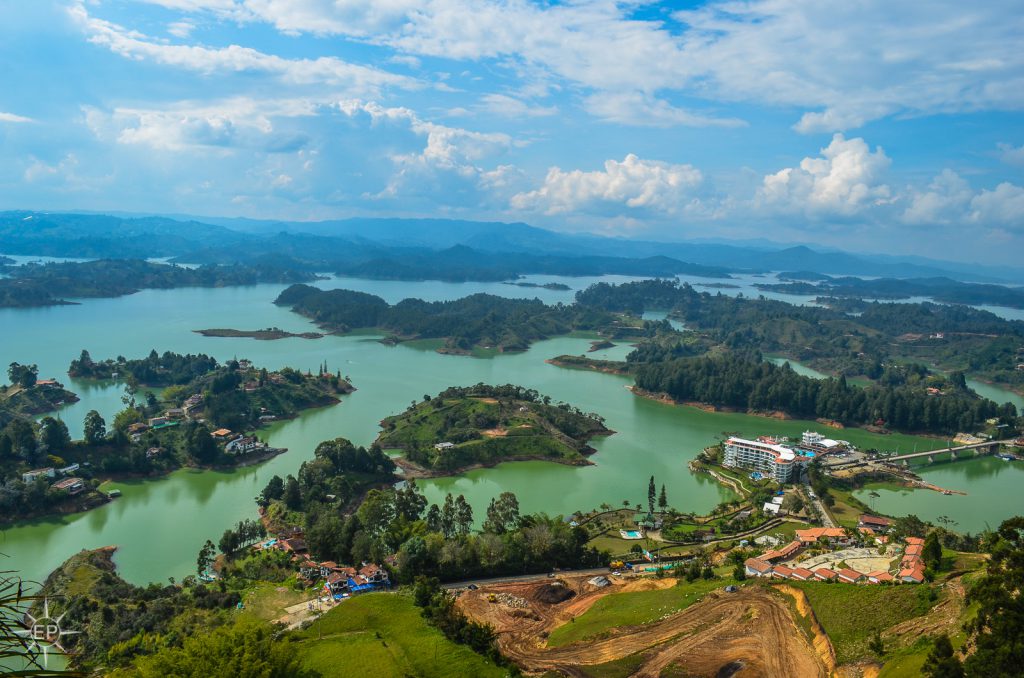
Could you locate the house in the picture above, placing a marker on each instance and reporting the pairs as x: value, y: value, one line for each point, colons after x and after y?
x: 31, y: 476
x: 770, y: 508
x: 825, y: 574
x: 755, y: 567
x: 251, y: 386
x: 912, y: 575
x: 294, y: 545
x: 802, y: 574
x: 336, y: 583
x: 880, y: 577
x: 784, y: 553
x: 441, y: 447
x: 221, y: 433
x: 819, y: 444
x: 914, y: 550
x: 175, y: 413
x: 830, y: 534
x: 153, y: 452
x: 191, y: 404
x: 876, y: 523
x: 782, y: 572
x: 70, y: 485
x: 158, y: 421
x: 244, y: 364
x: 849, y: 576
x: 914, y: 541
x: 68, y: 470
x: 243, y: 445
x: 47, y: 383
x: 138, y: 428
x: 374, y: 573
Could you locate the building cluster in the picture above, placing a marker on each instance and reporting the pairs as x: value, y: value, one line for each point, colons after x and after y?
x: 339, y: 580
x: 68, y: 482
x: 769, y: 564
x: 777, y: 458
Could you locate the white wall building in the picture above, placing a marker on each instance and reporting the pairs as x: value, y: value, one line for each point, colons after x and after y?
x: 775, y: 461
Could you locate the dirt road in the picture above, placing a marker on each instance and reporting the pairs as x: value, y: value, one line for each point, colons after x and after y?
x: 749, y: 633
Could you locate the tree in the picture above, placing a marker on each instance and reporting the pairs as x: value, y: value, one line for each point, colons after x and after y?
x: 999, y: 625
x: 248, y: 647
x: 95, y: 428
x: 448, y: 520
x: 53, y: 435
x: 292, y: 494
x: 409, y: 501
x: 941, y: 661
x: 199, y: 444
x: 931, y: 554
x: 876, y: 644
x: 739, y: 573
x: 126, y: 417
x: 22, y: 375
x: 651, y: 494
x: 273, y: 491
x: 463, y: 515
x: 206, y: 556
x: 502, y: 514
x: 663, y: 499
x: 434, y: 518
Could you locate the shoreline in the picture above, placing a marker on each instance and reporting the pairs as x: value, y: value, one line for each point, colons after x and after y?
x: 412, y: 470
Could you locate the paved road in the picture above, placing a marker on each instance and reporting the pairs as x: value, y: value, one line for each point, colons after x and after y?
x: 594, y: 571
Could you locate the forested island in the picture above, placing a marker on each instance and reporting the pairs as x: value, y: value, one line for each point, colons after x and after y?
x: 939, y: 288
x: 205, y: 417
x: 266, y: 334
x: 467, y: 427
x: 546, y: 286
x: 27, y: 395
x: 479, y: 320
x: 51, y: 284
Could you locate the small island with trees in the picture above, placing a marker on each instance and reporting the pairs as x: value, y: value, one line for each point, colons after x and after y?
x: 266, y: 334
x: 469, y: 427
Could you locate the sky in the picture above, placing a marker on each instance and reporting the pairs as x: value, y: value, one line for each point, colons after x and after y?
x: 893, y: 127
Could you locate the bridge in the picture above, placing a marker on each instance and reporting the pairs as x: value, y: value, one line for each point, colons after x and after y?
x: 983, y: 447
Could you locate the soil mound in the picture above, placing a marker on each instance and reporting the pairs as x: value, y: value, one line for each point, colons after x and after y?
x: 553, y: 593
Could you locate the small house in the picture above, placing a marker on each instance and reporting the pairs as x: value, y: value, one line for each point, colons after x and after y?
x: 876, y: 523
x: 825, y: 574
x: 70, y: 485
x: 782, y: 572
x: 221, y: 433
x: 802, y: 574
x: 441, y: 447
x: 880, y: 577
x: 849, y: 576
x: 755, y: 567
x: 31, y: 476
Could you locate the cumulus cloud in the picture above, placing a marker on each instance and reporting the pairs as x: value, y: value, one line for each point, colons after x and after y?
x: 1010, y: 154
x: 1002, y: 206
x: 844, y: 180
x: 512, y: 107
x: 631, y: 185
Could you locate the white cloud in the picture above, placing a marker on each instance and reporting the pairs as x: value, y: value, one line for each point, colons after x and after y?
x: 181, y: 29
x: 131, y: 44
x: 1010, y: 154
x: 943, y: 203
x: 40, y: 171
x: 631, y: 185
x: 846, y: 63
x: 1003, y: 206
x: 511, y: 107
x: 11, y: 117
x: 636, y: 108
x: 844, y: 180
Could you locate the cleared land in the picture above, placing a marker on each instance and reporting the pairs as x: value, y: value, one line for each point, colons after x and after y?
x: 752, y: 631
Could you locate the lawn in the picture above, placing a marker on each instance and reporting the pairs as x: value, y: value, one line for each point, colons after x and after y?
x: 269, y: 600
x: 847, y: 509
x: 632, y: 609
x: 852, y: 614
x: 383, y: 635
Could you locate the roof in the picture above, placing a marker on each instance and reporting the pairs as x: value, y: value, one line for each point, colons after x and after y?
x: 875, y: 520
x: 770, y: 507
x: 816, y: 533
x: 847, y: 573
x: 782, y: 453
x: 785, y: 552
x: 914, y: 550
x: 914, y: 540
x: 825, y: 573
x: 66, y: 483
x: 222, y: 432
x: 802, y: 572
x: 757, y: 565
x: 880, y: 575
x: 783, y: 571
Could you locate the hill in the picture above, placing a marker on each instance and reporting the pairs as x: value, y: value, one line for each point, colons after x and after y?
x: 485, y: 425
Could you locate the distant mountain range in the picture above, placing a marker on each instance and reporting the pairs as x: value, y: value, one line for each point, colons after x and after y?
x: 485, y: 250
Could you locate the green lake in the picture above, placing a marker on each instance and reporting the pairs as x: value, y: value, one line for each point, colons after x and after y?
x: 160, y: 524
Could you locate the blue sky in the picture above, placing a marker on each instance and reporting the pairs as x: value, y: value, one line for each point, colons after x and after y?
x: 871, y: 126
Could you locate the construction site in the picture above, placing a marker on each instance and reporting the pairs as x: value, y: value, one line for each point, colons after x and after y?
x: 746, y: 631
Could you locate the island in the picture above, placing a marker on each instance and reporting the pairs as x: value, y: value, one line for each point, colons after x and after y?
x: 471, y: 427
x: 266, y: 334
x: 560, y: 287
x: 28, y: 396
x: 50, y: 284
x: 476, y: 321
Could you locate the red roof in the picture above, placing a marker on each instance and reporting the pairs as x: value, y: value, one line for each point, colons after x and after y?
x: 875, y: 520
x: 914, y: 550
x: 757, y: 565
x: 816, y: 533
x: 783, y: 571
x: 881, y: 575
x: 847, y: 574
x: 802, y: 573
x: 914, y: 541
x: 825, y: 573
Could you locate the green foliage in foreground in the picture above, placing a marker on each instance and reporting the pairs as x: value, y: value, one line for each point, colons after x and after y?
x: 851, y: 615
x: 632, y: 609
x: 383, y: 635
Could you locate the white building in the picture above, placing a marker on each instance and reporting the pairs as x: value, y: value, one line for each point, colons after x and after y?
x: 441, y: 447
x: 775, y: 461
x: 819, y: 444
x: 243, y: 445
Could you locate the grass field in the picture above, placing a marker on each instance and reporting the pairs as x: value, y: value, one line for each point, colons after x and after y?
x: 847, y: 509
x: 632, y: 609
x: 383, y: 635
x: 852, y: 614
